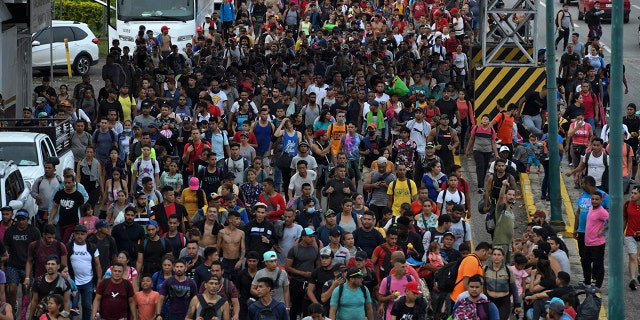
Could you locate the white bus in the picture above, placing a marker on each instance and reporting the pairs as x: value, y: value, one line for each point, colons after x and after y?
x: 181, y: 16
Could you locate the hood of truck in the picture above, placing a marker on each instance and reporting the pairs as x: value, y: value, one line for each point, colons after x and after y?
x: 31, y: 173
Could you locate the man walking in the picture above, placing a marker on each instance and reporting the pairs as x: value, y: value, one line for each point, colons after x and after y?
x: 354, y: 292
x: 179, y: 290
x: 84, y: 265
x: 631, y: 215
x: 114, y: 297
x: 595, y: 241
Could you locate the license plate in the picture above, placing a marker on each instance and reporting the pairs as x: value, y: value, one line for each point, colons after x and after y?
x: 608, y: 5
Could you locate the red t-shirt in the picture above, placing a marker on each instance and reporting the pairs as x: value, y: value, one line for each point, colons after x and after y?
x: 419, y: 10
x: 631, y: 212
x: 381, y: 253
x: 252, y: 138
x: 214, y: 111
x: 196, y: 153
x: 43, y: 253
x: 114, y: 304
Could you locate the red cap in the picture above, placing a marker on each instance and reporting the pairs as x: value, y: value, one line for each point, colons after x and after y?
x: 414, y: 287
x: 454, y: 10
x: 198, y: 28
x: 164, y: 28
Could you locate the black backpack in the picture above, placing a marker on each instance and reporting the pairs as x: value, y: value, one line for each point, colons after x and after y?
x: 445, y: 277
x: 209, y: 310
x: 386, y: 266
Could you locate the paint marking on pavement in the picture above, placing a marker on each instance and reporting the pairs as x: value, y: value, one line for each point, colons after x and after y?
x: 605, y: 47
x: 635, y: 6
x: 543, y: 4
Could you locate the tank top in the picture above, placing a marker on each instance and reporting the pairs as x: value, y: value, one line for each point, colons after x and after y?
x: 321, y: 160
x: 497, y: 185
x: 444, y: 137
x: 263, y: 135
x: 290, y: 143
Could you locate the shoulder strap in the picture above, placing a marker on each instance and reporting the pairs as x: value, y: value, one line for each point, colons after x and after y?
x: 105, y: 283
x: 388, y: 285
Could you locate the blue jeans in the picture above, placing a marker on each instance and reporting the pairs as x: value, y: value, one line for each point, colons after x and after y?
x: 86, y: 299
x: 533, y: 124
x: 277, y: 179
x: 591, y: 121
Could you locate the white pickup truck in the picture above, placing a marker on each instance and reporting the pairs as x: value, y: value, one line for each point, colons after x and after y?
x: 30, y: 146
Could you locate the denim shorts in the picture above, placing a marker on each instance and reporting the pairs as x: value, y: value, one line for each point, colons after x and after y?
x: 15, y: 275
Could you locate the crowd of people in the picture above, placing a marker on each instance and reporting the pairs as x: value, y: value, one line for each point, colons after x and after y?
x: 297, y: 160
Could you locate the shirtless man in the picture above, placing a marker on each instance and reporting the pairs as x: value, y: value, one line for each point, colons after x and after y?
x: 231, y: 242
x: 210, y: 228
x: 165, y: 42
x: 378, y: 27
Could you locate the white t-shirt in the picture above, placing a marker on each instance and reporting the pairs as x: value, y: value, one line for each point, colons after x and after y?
x: 297, y: 181
x: 458, y: 231
x: 419, y: 133
x: 219, y: 99
x: 595, y: 167
x: 445, y: 195
x: 289, y: 238
x: 311, y: 162
x: 81, y: 262
x: 146, y: 168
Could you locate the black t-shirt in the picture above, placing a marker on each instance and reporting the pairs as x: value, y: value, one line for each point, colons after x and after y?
x: 273, y: 105
x: 41, y: 89
x: 17, y: 242
x: 106, y: 106
x: 210, y: 180
x: 402, y: 311
x: 448, y: 107
x: 44, y: 288
x: 533, y: 105
x: 153, y: 253
x: 633, y: 125
x: 68, y: 205
x: 318, y: 277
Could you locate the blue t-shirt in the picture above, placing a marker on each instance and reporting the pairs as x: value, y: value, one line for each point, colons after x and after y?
x: 352, y: 302
x: 584, y: 203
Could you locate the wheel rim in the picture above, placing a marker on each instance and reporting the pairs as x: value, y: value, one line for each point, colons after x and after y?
x: 82, y: 65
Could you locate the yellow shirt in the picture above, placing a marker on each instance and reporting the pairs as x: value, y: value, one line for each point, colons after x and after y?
x: 336, y: 132
x: 401, y: 194
x: 127, y: 103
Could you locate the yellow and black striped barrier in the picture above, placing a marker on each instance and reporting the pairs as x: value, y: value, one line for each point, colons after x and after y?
x: 509, y: 83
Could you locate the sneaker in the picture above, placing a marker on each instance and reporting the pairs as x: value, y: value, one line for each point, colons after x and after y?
x: 481, y: 191
x: 632, y: 181
x: 74, y: 312
x: 633, y: 285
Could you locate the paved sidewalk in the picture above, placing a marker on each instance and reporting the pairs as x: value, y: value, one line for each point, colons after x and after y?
x: 531, y: 186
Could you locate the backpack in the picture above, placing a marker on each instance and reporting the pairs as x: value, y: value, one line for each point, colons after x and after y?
x: 209, y: 310
x: 491, y: 220
x: 266, y: 314
x: 467, y: 309
x: 445, y: 277
x: 162, y: 241
x: 94, y: 138
x: 388, y: 292
x: 180, y: 235
x: 127, y: 285
x: 589, y: 309
x: 444, y: 195
x: 386, y: 266
x: 393, y: 186
x: 557, y: 14
x: 364, y: 294
x: 604, y: 181
x: 588, y: 17
x: 41, y: 307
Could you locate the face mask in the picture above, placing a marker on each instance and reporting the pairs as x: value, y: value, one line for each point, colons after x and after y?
x: 127, y: 130
x: 311, y: 210
x: 371, y: 133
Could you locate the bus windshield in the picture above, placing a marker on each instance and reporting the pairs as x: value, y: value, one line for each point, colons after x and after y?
x: 151, y: 10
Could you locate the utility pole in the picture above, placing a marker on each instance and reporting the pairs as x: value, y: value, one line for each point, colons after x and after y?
x: 552, y: 109
x: 616, y: 270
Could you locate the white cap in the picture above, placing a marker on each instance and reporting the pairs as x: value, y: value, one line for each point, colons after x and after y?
x: 504, y: 148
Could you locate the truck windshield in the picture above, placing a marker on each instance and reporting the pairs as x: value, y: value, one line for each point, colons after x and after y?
x: 153, y: 10
x: 22, y: 153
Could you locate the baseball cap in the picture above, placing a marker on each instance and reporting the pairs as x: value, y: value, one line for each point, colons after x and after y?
x: 152, y: 125
x: 556, y: 304
x: 246, y: 135
x: 194, y: 184
x: 504, y: 148
x: 303, y: 143
x: 43, y: 115
x: 187, y: 119
x: 361, y: 255
x: 454, y: 10
x: 372, y: 125
x: 354, y: 273
x: 164, y: 28
x: 80, y: 228
x: 374, y: 103
x: 208, y: 16
x: 102, y: 223
x: 540, y: 213
x: 308, y: 232
x: 430, y: 145
x: 27, y: 109
x: 319, y: 133
x: 448, y: 234
x: 326, y: 251
x: 198, y: 28
x: 414, y: 287
x: 335, y: 233
x: 270, y: 256
x: 329, y: 212
x: 215, y: 196
x: 259, y: 205
x: 41, y: 100
x: 444, y: 116
x: 137, y: 125
x: 22, y: 214
x: 153, y: 223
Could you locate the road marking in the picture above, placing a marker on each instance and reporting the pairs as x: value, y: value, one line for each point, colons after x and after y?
x: 543, y: 4
x: 605, y: 47
x: 635, y: 6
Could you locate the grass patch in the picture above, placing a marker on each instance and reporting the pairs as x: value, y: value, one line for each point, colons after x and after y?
x: 103, y: 46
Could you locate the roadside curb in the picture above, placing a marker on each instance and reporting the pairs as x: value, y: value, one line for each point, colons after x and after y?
x: 567, y: 234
